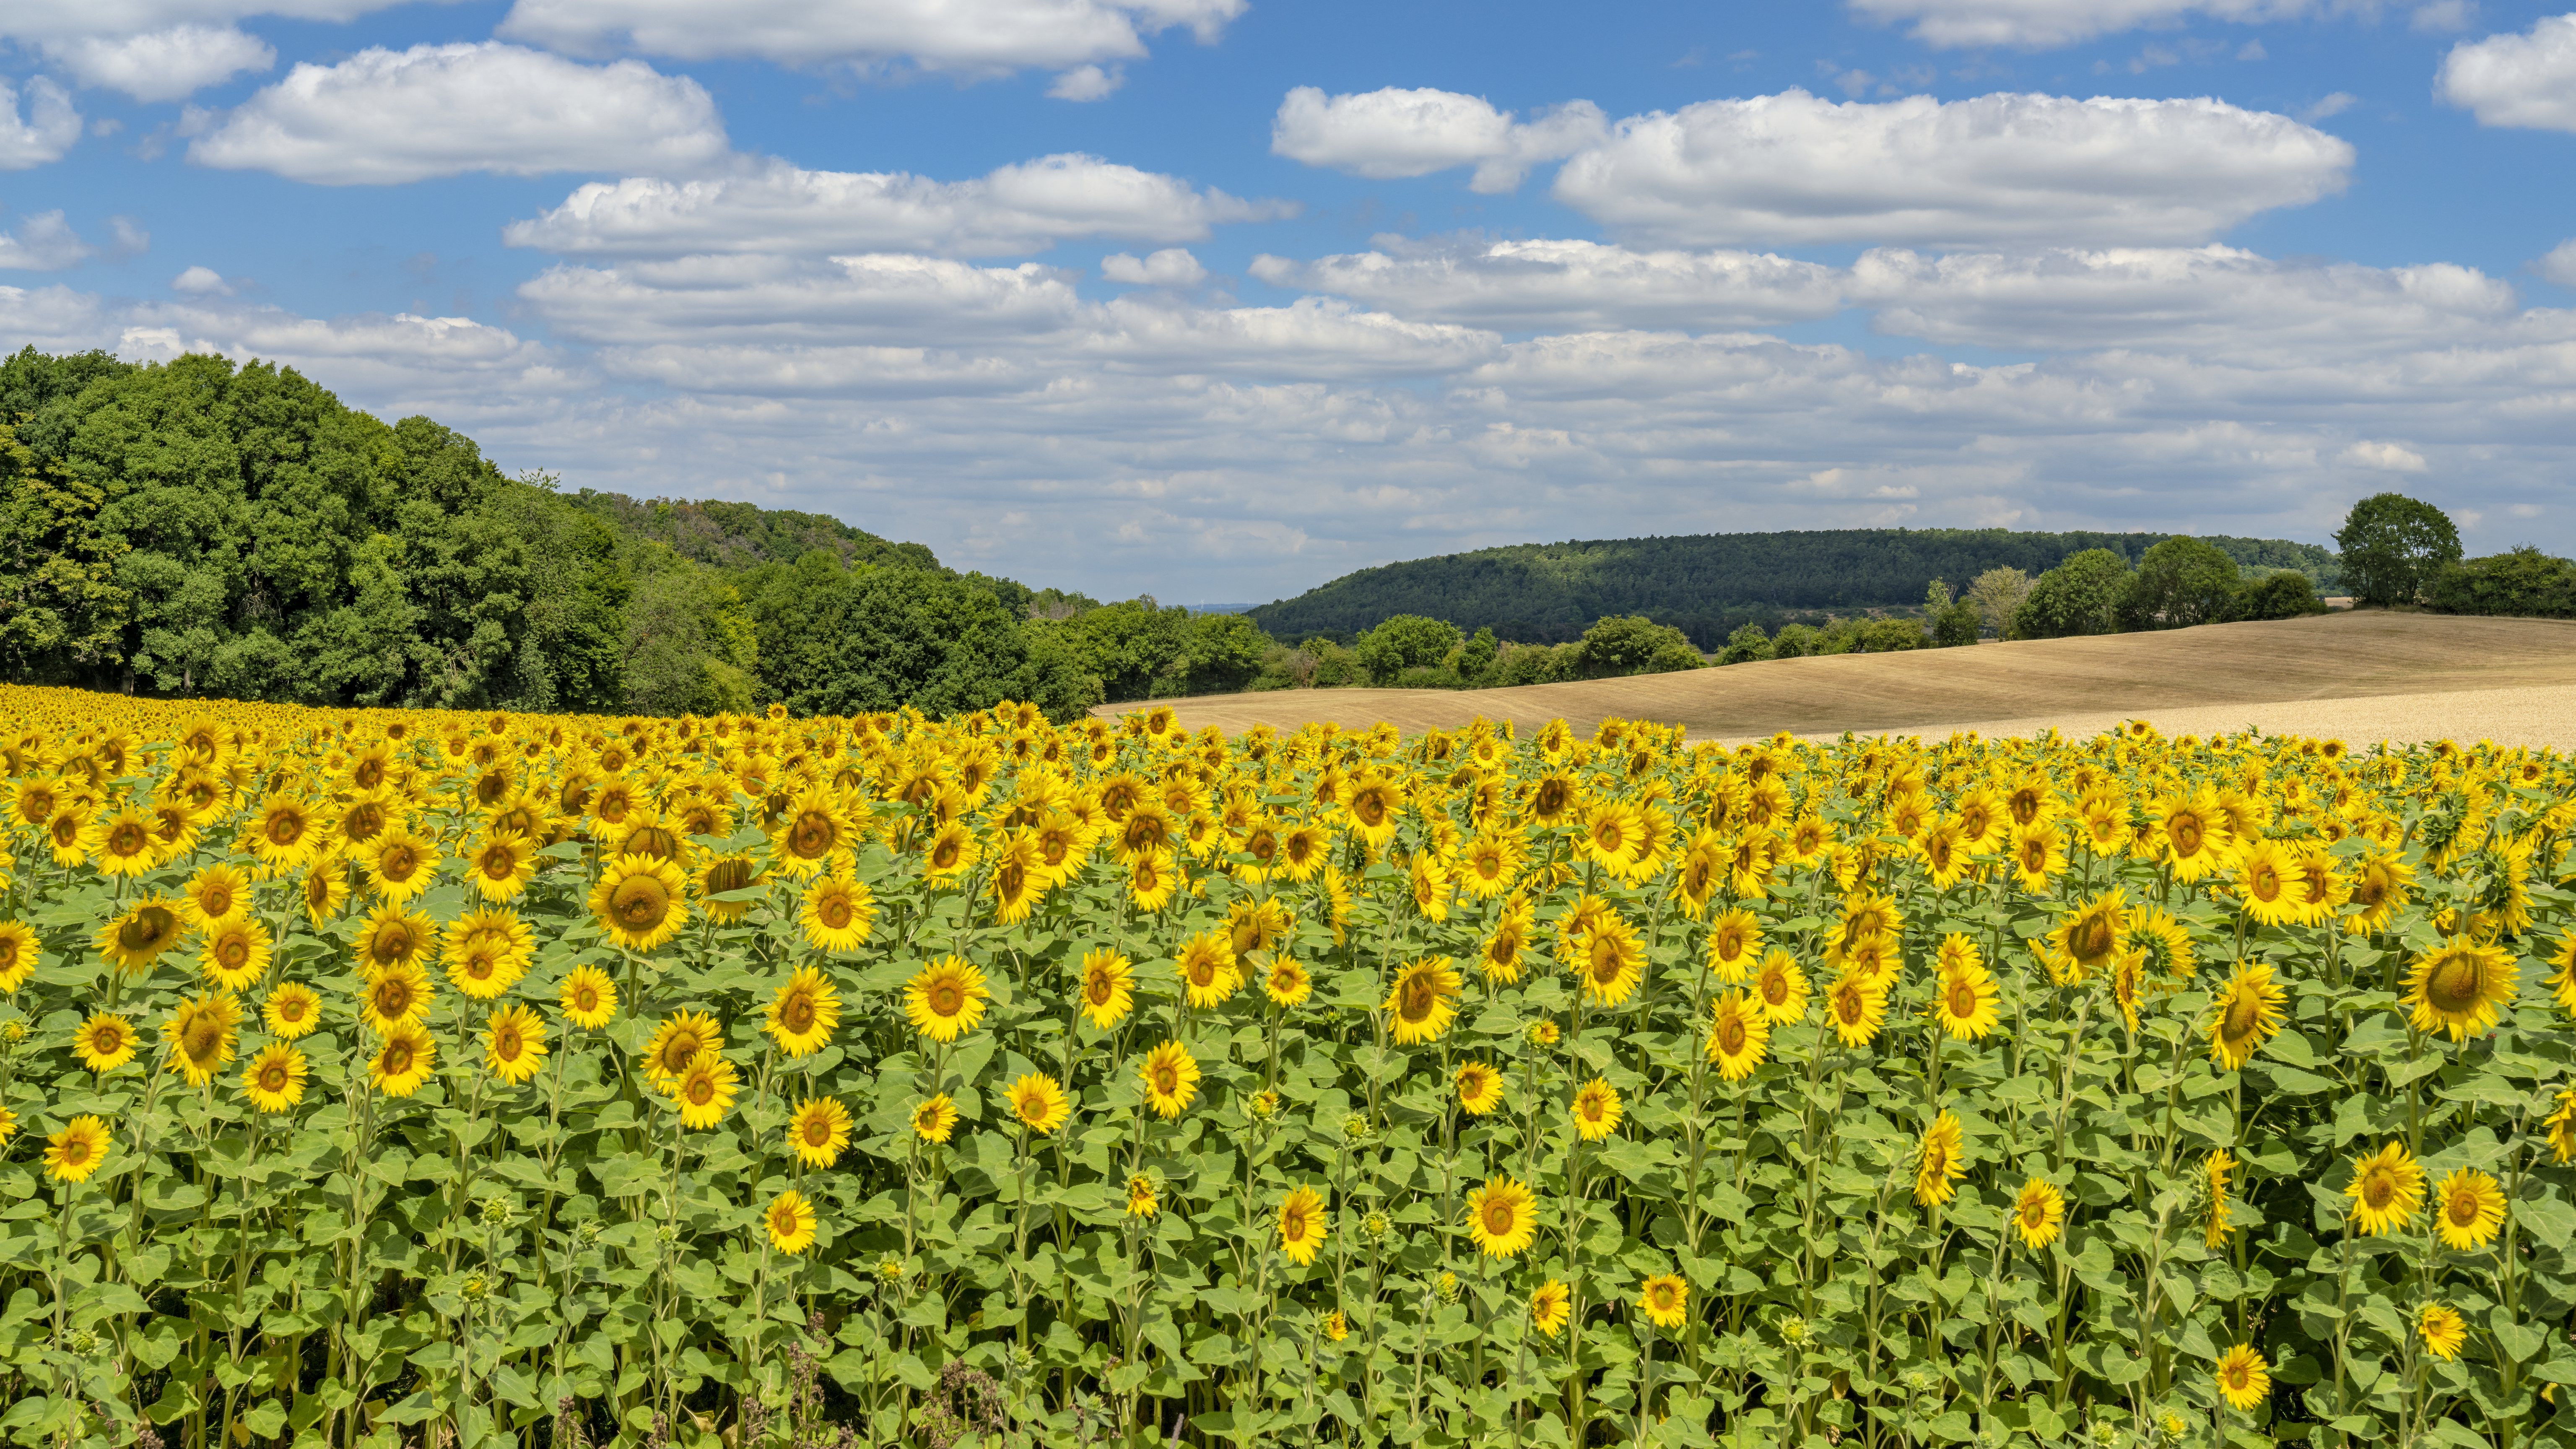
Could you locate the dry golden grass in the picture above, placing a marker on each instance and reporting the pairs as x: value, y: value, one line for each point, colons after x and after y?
x: 2356, y: 676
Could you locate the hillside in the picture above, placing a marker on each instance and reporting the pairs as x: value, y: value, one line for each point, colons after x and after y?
x: 2359, y: 676
x: 1708, y: 584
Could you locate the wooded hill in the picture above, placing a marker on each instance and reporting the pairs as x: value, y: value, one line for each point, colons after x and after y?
x: 1708, y: 585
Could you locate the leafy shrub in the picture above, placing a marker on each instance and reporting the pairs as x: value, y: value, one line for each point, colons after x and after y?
x: 2079, y: 596
x: 2524, y: 581
x: 2285, y: 595
x: 1407, y: 641
x: 2180, y: 582
x: 1746, y: 645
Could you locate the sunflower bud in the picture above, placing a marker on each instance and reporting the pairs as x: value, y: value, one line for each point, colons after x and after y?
x: 1541, y: 1034
x: 1793, y: 1330
x: 1264, y: 1105
x: 1375, y: 1227
x: 1449, y: 1289
x: 890, y: 1269
x: 1355, y: 1128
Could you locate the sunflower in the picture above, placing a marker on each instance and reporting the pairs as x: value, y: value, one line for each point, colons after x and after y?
x: 2090, y: 935
x: 1039, y: 1102
x: 1665, y: 1297
x: 792, y: 1221
x: 2214, y: 1170
x: 1856, y: 1005
x: 392, y: 938
x: 1500, y: 960
x: 2468, y: 1209
x: 704, y: 1092
x: 946, y: 998
x: 201, y: 1033
x: 1739, y: 1036
x: 950, y: 854
x: 1480, y: 1088
x: 2444, y: 1332
x: 1941, y: 1161
x: 217, y: 894
x: 677, y: 1042
x: 638, y: 901
x: 325, y: 888
x: 291, y: 1011
x: 1612, y: 961
x: 1142, y: 1199
x: 589, y: 998
x: 1171, y: 1078
x: 2381, y: 886
x: 1288, y: 983
x: 2248, y: 1014
x: 136, y: 939
x: 514, y: 1043
x: 400, y: 864
x: 2266, y: 883
x: 78, y: 1150
x: 274, y: 1079
x: 395, y: 994
x: 818, y: 830
x: 502, y: 865
x: 2039, y: 1214
x: 1301, y: 1225
x: 1108, y: 987
x: 1781, y: 987
x: 2038, y: 854
x: 804, y: 1014
x: 933, y: 1120
x: 2561, y: 1123
x: 2387, y: 1187
x: 1734, y: 944
x: 104, y: 1042
x: 1502, y: 1217
x: 1944, y: 850
x: 2194, y: 834
x: 1151, y: 880
x: 235, y: 954
x: 1550, y: 1305
x: 285, y: 835
x: 1596, y: 1110
x: 818, y: 1130
x: 1965, y: 1003
x: 1205, y: 964
x: 404, y: 1060
x: 1374, y: 805
x: 2458, y: 987
x: 1422, y: 1000
x: 2244, y: 1379
x: 2164, y: 942
x: 19, y: 952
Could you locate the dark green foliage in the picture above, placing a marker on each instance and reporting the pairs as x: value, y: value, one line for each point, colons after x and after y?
x: 739, y: 535
x: 1958, y: 624
x: 1887, y: 636
x: 1406, y: 641
x: 2523, y: 582
x: 1745, y: 645
x: 1140, y: 650
x: 1618, y: 645
x: 2180, y: 582
x: 1707, y: 585
x: 2393, y: 546
x: 834, y: 640
x: 2285, y: 595
x: 1538, y: 664
x: 2079, y: 596
x: 1475, y: 658
x: 61, y: 609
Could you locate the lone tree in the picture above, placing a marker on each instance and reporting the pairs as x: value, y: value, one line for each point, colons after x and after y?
x: 2181, y: 582
x: 2392, y: 546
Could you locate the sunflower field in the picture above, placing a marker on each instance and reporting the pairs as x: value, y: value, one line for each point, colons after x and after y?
x: 430, y: 1080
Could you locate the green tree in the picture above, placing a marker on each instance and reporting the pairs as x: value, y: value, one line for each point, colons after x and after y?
x: 1475, y: 658
x: 1746, y: 645
x: 2523, y: 581
x: 2284, y: 595
x: 835, y: 641
x: 2180, y: 582
x: 2392, y: 546
x: 62, y: 612
x: 1407, y: 641
x: 2080, y: 596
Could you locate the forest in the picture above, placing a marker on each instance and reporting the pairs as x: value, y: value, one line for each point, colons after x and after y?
x: 1710, y: 585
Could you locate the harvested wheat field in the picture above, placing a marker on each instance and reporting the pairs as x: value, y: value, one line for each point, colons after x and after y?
x: 2358, y: 676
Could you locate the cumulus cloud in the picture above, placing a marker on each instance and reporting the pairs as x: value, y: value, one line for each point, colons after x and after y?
x: 973, y: 37
x: 44, y: 242
x: 2037, y: 24
x: 2525, y: 78
x: 67, y: 19
x: 162, y: 65
x: 779, y: 208
x: 1170, y: 267
x: 1793, y: 168
x: 1522, y: 285
x: 2383, y: 457
x: 1390, y: 133
x: 46, y: 130
x: 1087, y: 83
x: 2560, y: 265
x: 383, y: 117
x: 201, y: 282
x: 2443, y: 16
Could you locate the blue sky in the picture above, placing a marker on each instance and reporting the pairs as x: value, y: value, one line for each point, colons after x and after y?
x: 1219, y: 300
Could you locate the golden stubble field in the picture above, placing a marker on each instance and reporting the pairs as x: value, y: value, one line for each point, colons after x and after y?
x: 2355, y: 676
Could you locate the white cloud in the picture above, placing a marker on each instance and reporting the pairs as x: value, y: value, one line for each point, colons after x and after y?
x: 44, y: 242
x: 1522, y: 285
x: 69, y: 19
x: 201, y: 282
x: 47, y: 131
x: 1795, y: 169
x: 880, y: 299
x: 2517, y: 79
x: 2329, y: 106
x: 973, y: 37
x: 383, y: 117
x: 1014, y: 210
x: 2383, y: 457
x: 162, y: 65
x: 2443, y: 16
x: 2035, y: 24
x: 1389, y: 133
x: 2560, y: 265
x: 1170, y: 267
x: 1087, y: 83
